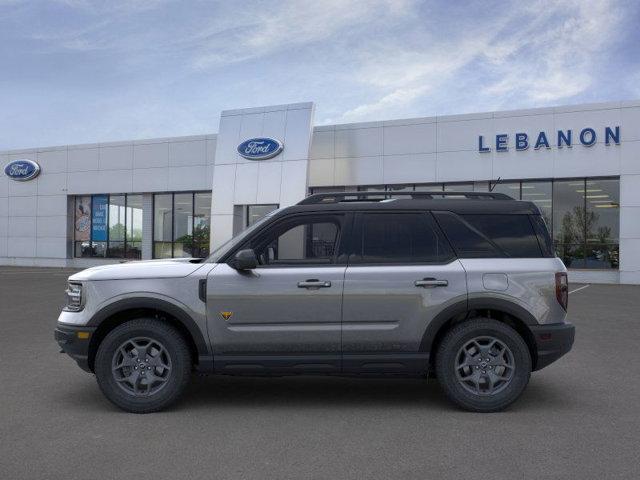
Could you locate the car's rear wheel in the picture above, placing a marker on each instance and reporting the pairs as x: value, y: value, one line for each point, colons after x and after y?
x: 483, y: 365
x: 143, y: 365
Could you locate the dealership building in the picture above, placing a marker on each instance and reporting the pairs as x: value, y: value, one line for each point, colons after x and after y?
x: 84, y: 205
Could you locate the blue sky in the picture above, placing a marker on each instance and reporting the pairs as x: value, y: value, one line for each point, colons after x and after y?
x: 77, y: 71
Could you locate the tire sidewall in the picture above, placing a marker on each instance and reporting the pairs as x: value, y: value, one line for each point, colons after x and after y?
x: 178, y: 376
x: 456, y: 339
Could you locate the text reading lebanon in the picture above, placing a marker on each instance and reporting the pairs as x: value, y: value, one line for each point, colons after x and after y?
x: 564, y: 138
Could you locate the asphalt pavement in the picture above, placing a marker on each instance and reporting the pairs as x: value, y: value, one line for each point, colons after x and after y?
x: 579, y: 418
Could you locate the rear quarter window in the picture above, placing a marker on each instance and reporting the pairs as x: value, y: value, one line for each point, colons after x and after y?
x: 466, y: 240
x: 489, y: 235
x: 544, y: 238
x: 513, y: 234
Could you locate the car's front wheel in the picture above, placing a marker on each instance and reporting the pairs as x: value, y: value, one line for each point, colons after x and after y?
x: 483, y: 365
x: 143, y: 365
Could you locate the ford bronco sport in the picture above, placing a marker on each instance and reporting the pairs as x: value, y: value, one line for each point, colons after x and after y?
x: 463, y: 286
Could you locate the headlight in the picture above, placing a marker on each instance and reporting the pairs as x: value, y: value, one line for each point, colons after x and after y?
x: 74, y: 297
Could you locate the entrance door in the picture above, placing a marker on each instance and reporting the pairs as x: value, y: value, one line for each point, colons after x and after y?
x: 285, y: 314
x: 401, y: 274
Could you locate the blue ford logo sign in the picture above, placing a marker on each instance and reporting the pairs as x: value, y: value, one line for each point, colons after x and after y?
x: 260, y: 148
x: 22, y: 170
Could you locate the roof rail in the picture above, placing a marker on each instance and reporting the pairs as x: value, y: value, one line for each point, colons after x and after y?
x: 338, y: 197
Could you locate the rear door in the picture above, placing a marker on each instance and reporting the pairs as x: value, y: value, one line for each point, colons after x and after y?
x: 401, y: 274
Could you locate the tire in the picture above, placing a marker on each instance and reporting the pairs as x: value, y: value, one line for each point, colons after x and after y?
x: 473, y: 370
x: 143, y: 365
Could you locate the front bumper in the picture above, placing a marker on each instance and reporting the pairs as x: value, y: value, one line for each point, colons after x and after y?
x: 75, y: 341
x: 552, y: 342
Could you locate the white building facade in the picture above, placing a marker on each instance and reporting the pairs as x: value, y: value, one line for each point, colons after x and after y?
x: 82, y: 205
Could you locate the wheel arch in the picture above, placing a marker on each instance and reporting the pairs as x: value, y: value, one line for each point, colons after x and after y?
x: 504, y: 311
x: 121, y: 311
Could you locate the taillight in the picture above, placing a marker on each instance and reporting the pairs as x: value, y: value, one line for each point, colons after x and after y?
x: 562, y: 289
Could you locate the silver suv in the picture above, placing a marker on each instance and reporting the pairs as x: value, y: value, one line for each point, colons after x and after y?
x: 463, y: 286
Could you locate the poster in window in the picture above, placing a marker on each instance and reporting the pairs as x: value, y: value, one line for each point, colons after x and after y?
x: 99, y: 218
x: 83, y: 219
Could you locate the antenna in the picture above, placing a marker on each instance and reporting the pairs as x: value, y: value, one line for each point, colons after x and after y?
x: 494, y: 185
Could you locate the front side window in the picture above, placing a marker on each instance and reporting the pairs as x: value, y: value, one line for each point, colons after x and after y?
x: 300, y: 241
x: 398, y: 238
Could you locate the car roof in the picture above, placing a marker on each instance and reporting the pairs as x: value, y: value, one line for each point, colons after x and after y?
x: 472, y: 204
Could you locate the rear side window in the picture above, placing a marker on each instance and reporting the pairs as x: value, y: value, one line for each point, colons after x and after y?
x: 467, y: 241
x: 398, y: 238
x: 513, y: 234
x: 485, y: 236
x: 544, y: 239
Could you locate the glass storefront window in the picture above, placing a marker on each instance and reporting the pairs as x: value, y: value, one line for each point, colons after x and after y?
x: 480, y: 186
x: 256, y: 212
x: 429, y: 187
x: 201, y: 224
x: 603, y: 223
x: 458, y: 187
x: 162, y: 225
x: 568, y: 212
x: 373, y: 188
x: 82, y: 226
x: 116, y: 226
x: 134, y: 227
x: 108, y: 226
x: 540, y: 193
x: 571, y: 222
x: 511, y: 189
x: 182, y: 224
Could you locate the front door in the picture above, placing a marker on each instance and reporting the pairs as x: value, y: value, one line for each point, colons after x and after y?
x: 285, y: 314
x: 401, y: 274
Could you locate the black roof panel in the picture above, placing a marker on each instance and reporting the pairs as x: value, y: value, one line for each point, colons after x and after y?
x: 456, y: 205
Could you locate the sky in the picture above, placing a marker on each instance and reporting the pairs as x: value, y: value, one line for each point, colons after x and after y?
x: 80, y: 71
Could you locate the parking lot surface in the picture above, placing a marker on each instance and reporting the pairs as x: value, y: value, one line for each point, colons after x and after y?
x: 579, y: 418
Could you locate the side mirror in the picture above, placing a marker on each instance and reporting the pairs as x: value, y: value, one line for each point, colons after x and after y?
x: 245, y: 260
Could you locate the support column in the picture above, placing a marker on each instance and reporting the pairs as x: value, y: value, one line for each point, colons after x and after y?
x: 629, y: 229
x: 279, y: 180
x: 147, y: 226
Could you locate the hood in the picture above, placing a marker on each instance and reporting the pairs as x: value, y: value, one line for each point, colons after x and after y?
x: 171, y: 268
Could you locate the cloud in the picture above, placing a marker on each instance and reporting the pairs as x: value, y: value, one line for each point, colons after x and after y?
x: 290, y: 23
x: 125, y: 69
x: 553, y: 60
x: 541, y: 53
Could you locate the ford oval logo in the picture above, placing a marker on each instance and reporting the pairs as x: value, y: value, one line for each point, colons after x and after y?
x: 260, y: 148
x: 22, y: 170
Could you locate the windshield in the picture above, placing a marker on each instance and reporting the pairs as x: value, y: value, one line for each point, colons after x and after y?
x: 219, y: 252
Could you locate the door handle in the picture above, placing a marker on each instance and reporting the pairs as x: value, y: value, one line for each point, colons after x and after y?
x: 431, y: 283
x: 314, y: 283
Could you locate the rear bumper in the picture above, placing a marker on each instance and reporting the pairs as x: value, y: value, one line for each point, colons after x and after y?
x: 74, y: 345
x: 552, y: 342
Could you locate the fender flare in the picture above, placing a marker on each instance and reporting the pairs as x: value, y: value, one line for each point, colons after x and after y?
x: 202, y: 346
x: 464, y: 307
